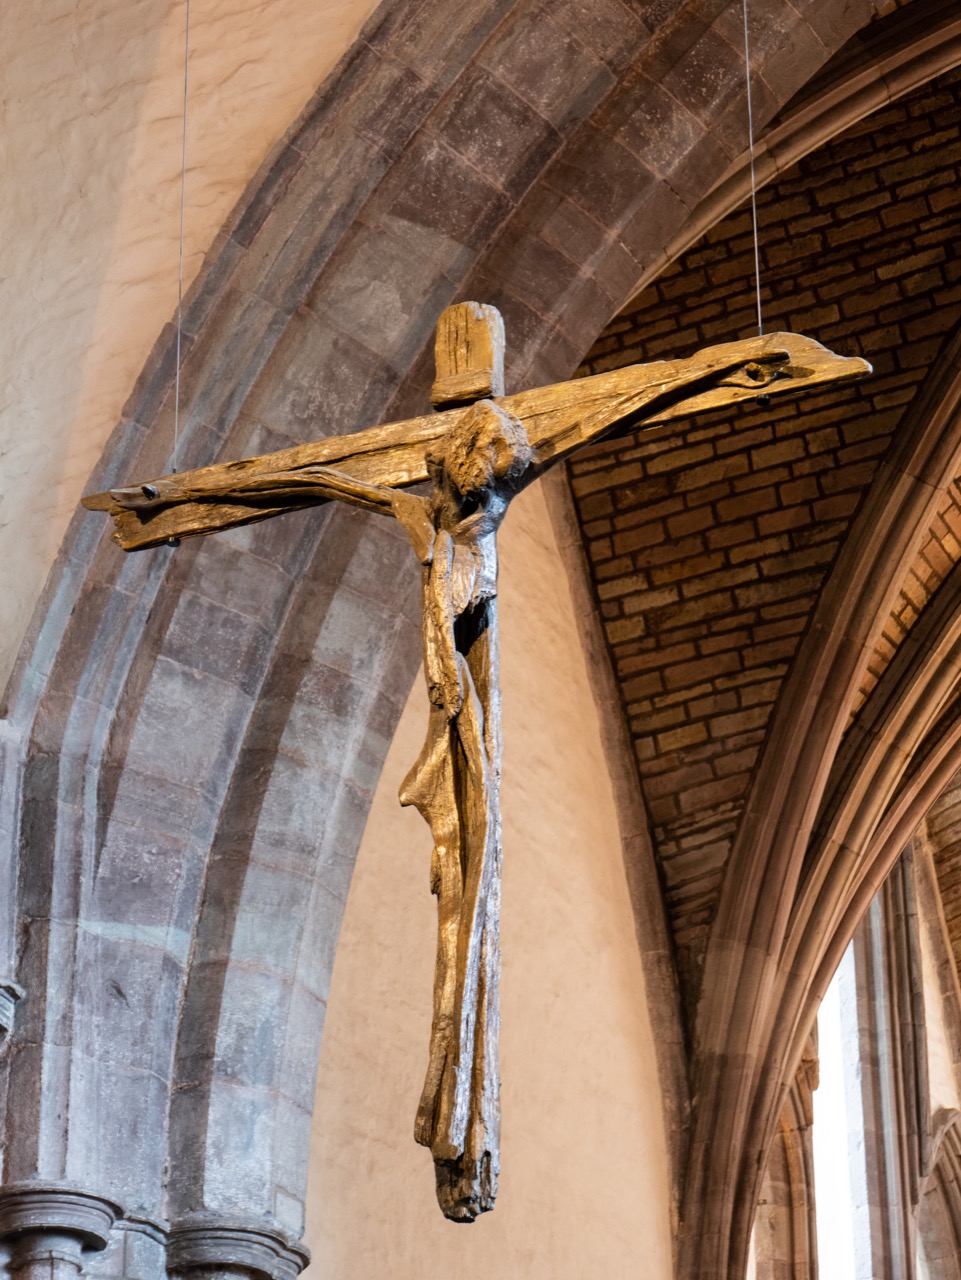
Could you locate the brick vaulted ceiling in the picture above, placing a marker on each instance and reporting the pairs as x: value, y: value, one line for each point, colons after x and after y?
x: 708, y: 542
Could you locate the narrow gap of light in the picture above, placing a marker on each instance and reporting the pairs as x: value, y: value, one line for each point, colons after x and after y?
x: 750, y: 137
x: 180, y: 270
x: 837, y: 1132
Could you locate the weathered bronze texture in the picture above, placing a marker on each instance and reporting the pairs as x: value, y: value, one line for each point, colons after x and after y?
x: 477, y: 456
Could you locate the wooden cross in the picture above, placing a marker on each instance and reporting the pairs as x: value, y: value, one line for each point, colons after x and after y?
x: 478, y: 451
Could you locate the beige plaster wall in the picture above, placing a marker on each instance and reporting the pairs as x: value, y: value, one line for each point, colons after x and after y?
x: 584, y: 1183
x: 90, y: 153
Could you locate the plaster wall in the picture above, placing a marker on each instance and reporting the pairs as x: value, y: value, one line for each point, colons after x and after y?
x: 584, y: 1182
x: 91, y: 157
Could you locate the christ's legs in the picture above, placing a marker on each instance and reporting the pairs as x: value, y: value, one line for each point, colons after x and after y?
x: 454, y: 785
x: 430, y: 787
x: 481, y: 1160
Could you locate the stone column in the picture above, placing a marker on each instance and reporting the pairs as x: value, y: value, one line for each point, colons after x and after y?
x: 48, y: 1228
x: 206, y: 1246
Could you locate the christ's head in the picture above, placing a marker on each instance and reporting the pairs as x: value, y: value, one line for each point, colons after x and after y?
x: 488, y: 449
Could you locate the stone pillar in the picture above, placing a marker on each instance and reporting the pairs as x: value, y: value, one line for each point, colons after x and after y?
x: 207, y: 1246
x: 48, y: 1228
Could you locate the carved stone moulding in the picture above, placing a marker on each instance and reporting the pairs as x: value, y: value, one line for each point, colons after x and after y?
x: 48, y: 1227
x: 209, y: 1244
x: 54, y: 1209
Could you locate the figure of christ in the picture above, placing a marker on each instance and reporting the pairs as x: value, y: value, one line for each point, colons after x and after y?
x: 477, y: 455
x: 475, y: 471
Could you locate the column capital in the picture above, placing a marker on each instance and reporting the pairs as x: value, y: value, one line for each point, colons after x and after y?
x: 222, y: 1242
x: 53, y: 1207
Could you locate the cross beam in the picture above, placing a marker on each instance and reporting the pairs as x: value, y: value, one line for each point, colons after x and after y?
x: 558, y: 419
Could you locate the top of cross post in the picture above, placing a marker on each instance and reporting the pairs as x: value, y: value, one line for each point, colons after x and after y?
x: 468, y: 355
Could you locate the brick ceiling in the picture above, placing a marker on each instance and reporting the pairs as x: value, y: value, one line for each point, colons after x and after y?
x: 708, y: 541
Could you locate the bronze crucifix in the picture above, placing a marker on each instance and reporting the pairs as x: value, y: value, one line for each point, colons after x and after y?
x: 477, y: 452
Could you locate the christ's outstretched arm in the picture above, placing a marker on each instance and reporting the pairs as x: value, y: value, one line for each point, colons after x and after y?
x: 303, y: 484
x: 715, y: 377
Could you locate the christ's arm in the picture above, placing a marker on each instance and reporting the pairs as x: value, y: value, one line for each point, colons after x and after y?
x: 629, y: 397
x: 311, y: 482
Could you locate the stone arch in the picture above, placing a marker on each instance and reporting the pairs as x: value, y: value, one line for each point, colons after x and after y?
x: 881, y: 65
x: 152, y: 715
x: 786, y: 917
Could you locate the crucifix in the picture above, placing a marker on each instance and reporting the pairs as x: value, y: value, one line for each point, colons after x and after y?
x: 475, y: 453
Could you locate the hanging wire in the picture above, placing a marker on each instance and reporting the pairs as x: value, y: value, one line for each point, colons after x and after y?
x: 180, y: 272
x: 750, y: 135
